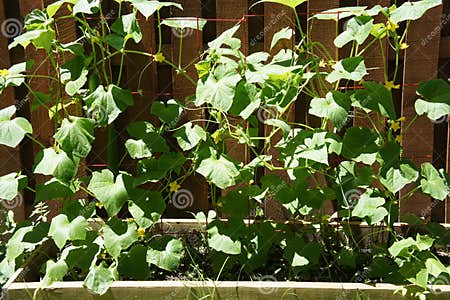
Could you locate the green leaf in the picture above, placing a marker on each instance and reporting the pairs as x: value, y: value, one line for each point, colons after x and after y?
x: 352, y: 68
x: 340, y: 13
x: 148, y: 134
x: 16, y: 246
x: 433, y: 182
x: 53, y: 8
x: 413, y: 10
x: 188, y: 136
x: 86, y: 7
x: 187, y: 22
x: 358, y: 29
x: 246, y: 101
x: 289, y: 3
x: 134, y: 263
x: 357, y: 141
x: 169, y: 113
x: 223, y: 243
x: 434, y: 99
x: 12, y: 131
x: 225, y: 38
x: 219, y: 92
x: 400, y: 248
x: 165, y: 253
x: 49, y: 162
x: 112, y: 193
x: 61, y: 230
x: 284, y: 34
x: 218, y: 170
x: 41, y: 39
x: 155, y: 169
x: 399, y: 175
x: 148, y: 8
x: 13, y: 76
x: 54, y: 272
x: 375, y: 97
x: 370, y: 208
x: 75, y: 136
x: 146, y: 207
x: 138, y: 149
x: 10, y: 185
x: 105, y: 106
x: 115, y: 242
x: 128, y: 27
x: 334, y: 106
x: 55, y: 189
x: 74, y: 74
x: 100, y: 278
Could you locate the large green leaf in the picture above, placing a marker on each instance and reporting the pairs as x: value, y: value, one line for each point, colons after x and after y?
x: 112, y: 193
x: 358, y: 29
x: 75, y: 136
x: 375, y: 97
x: 41, y: 39
x: 12, y: 131
x: 10, y: 185
x: 134, y: 263
x: 86, y: 6
x: 100, y: 278
x: 58, y: 164
x: 62, y: 230
x: 433, y: 182
x: 155, y: 169
x: 247, y: 100
x: 53, y: 8
x: 169, y: 113
x: 128, y: 27
x: 189, y: 136
x: 13, y: 76
x: 55, y: 189
x: 104, y: 106
x: 399, y: 175
x: 434, y: 99
x: 291, y: 3
x: 413, y: 10
x: 340, y: 13
x: 219, y: 92
x: 54, y: 271
x: 16, y: 246
x: 186, y: 22
x: 149, y: 135
x: 165, y: 253
x: 146, y: 207
x: 334, y: 106
x: 223, y: 243
x: 148, y: 8
x: 370, y: 208
x: 352, y: 68
x: 357, y: 141
x: 74, y: 74
x: 284, y: 34
x: 218, y: 170
x: 138, y: 149
x: 115, y: 242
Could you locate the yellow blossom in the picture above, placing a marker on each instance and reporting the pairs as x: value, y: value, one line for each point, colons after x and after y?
x: 391, y: 26
x: 141, y: 232
x: 217, y: 136
x: 99, y: 205
x: 174, y: 186
x: 322, y: 63
x: 159, y: 57
x: 399, y: 139
x: 395, y: 125
x: 390, y: 85
x: 403, y: 46
x: 4, y: 72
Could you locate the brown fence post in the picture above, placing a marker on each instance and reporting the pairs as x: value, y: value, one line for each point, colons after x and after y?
x: 420, y: 63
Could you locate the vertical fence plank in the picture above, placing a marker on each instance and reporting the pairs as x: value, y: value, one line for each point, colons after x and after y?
x: 229, y: 10
x: 9, y: 157
x: 276, y: 17
x: 182, y: 88
x: 420, y: 63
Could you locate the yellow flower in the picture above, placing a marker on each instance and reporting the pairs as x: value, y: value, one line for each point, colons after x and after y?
x: 390, y: 85
x: 391, y: 26
x: 217, y: 136
x: 322, y: 63
x: 403, y: 46
x: 4, y: 72
x: 174, y: 186
x: 395, y: 125
x: 399, y: 139
x: 402, y: 119
x: 159, y: 57
x: 99, y: 205
x: 141, y: 232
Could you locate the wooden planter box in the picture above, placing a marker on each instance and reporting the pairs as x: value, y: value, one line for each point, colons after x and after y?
x: 21, y: 287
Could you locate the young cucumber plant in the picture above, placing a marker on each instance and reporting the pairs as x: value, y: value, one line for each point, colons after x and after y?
x: 109, y: 235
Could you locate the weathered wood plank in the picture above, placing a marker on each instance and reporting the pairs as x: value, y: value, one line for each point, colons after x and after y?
x: 9, y: 157
x: 421, y: 63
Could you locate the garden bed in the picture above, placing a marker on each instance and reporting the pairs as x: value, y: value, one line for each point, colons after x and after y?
x: 24, y: 283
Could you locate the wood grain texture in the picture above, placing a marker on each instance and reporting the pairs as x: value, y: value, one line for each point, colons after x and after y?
x: 420, y: 63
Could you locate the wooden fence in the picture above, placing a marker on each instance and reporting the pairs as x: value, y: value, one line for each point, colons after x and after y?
x: 427, y: 57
